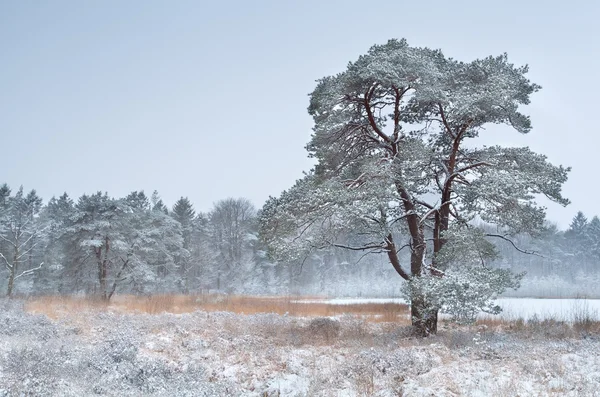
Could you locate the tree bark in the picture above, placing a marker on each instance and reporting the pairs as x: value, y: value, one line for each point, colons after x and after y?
x: 423, y: 315
x: 13, y: 272
x: 114, y: 286
x: 102, y: 263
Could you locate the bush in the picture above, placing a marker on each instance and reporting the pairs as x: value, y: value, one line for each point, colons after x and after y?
x: 324, y: 327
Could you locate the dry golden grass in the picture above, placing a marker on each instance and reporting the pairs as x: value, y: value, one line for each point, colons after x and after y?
x: 558, y: 329
x: 494, y: 322
x: 58, y: 306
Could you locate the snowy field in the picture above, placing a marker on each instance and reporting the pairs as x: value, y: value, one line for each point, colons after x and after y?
x: 99, y: 352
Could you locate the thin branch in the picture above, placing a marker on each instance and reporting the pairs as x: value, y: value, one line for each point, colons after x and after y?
x: 445, y: 167
x: 26, y: 251
x: 444, y: 121
x: 457, y: 173
x: 374, y: 251
x: 363, y: 248
x: 515, y: 246
x: 309, y: 224
x: 8, y: 241
x: 8, y: 265
x: 428, y: 214
x: 423, y: 203
x: 30, y: 271
x: 468, y: 167
x: 402, y: 217
x: 401, y: 248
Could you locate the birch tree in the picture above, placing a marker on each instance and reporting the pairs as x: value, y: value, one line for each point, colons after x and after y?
x: 231, y: 232
x: 20, y: 232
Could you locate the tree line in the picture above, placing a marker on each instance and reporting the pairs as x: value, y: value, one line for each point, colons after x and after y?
x: 98, y: 245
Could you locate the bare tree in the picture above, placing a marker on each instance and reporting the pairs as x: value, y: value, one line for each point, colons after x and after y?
x: 231, y: 229
x: 19, y: 230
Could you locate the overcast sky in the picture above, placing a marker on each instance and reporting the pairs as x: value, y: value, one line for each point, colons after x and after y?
x: 208, y: 99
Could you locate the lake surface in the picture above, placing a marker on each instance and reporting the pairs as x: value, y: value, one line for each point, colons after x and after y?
x: 558, y: 309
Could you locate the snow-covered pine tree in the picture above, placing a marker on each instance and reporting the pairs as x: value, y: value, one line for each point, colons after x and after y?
x: 184, y: 213
x: 125, y: 240
x: 592, y: 237
x: 395, y: 139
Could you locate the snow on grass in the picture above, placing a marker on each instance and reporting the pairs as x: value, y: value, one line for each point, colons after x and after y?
x: 98, y: 352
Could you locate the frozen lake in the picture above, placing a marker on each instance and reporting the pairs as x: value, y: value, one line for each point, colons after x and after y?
x: 512, y: 308
x: 558, y: 309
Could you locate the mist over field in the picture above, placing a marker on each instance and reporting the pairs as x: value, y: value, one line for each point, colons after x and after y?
x: 180, y: 251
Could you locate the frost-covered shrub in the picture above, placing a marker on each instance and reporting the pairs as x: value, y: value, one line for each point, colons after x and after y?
x: 41, y: 358
x: 32, y: 367
x: 324, y: 327
x: 413, y: 361
x: 464, y: 291
x: 15, y: 323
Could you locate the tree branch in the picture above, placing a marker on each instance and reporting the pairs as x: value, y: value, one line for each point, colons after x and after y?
x: 514, y: 245
x: 468, y: 167
x: 7, y: 264
x: 373, y: 251
x: 363, y: 248
x: 8, y: 241
x: 428, y: 214
x: 445, y: 122
x: 30, y: 271
x: 424, y: 204
x: 370, y: 116
x: 393, y: 257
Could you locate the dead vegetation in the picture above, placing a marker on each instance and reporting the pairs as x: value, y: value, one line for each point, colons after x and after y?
x: 57, y: 306
x: 581, y: 322
x: 137, y: 346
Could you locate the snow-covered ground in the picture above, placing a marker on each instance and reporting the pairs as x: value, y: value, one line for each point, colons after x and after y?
x: 95, y: 352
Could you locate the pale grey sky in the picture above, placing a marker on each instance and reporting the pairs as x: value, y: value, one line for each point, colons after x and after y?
x: 208, y: 99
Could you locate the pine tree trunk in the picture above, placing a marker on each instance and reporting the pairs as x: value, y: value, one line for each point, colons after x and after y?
x: 102, y: 272
x: 424, y: 315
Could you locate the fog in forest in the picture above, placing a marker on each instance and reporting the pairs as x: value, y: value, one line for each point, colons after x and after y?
x: 60, y: 248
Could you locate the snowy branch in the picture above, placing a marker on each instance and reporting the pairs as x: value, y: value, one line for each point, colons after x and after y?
x: 30, y: 271
x: 8, y: 241
x: 7, y: 263
x: 363, y: 248
x: 445, y: 121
